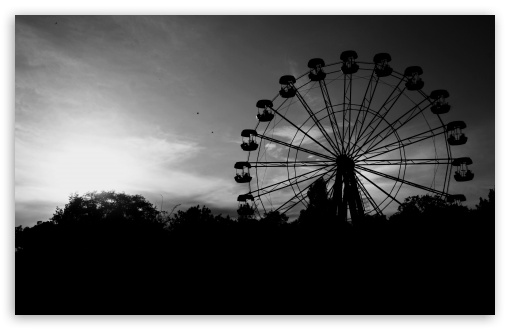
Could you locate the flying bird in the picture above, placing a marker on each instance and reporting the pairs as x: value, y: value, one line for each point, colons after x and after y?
x: 197, y: 113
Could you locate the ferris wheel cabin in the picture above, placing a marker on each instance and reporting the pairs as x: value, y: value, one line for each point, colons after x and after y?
x: 287, y: 86
x: 463, y: 173
x: 265, y: 110
x: 348, y: 58
x: 456, y: 137
x: 242, y: 172
x: 316, y: 72
x: 248, y: 137
x: 382, y: 68
x: 414, y: 82
x: 439, y: 106
x: 245, y: 207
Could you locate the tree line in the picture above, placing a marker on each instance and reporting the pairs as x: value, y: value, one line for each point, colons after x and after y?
x: 114, y: 253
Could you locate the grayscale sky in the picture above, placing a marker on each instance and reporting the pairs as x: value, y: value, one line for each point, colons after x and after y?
x: 110, y: 103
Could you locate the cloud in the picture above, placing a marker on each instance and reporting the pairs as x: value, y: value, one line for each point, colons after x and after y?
x: 293, y: 68
x: 31, y: 211
x: 95, y: 109
x: 87, y: 153
x: 291, y: 134
x: 133, y: 165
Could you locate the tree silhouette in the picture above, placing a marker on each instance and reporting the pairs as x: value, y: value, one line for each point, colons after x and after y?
x: 318, y: 194
x: 320, y: 207
x: 275, y: 218
x: 113, y: 253
x: 487, y: 206
x: 193, y: 217
x: 107, y: 205
x: 427, y: 208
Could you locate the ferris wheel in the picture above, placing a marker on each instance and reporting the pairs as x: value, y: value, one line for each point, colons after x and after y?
x: 369, y: 132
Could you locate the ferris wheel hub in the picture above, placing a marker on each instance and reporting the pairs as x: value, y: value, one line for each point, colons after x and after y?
x: 345, y: 163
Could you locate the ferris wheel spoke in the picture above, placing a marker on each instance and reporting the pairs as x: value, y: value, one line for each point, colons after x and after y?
x: 367, y: 195
x: 388, y: 100
x: 422, y: 93
x: 375, y: 185
x: 256, y: 209
x: 288, y: 145
x: 343, y: 108
x: 302, y: 196
x: 410, y: 140
x: 370, y: 91
x: 366, y: 139
x: 407, y: 161
x: 287, y: 183
x: 347, y: 102
x: 372, y: 154
x: 305, y: 133
x: 304, y: 163
x: 331, y: 189
x: 446, y: 185
x: 317, y: 122
x: 258, y: 157
x: 409, y: 183
x: 300, y: 192
x: 358, y: 155
x: 412, y: 114
x: 333, y: 122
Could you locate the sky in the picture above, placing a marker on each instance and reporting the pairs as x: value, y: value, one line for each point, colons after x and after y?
x: 154, y: 105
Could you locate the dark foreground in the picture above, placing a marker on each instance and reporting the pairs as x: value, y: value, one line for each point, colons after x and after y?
x: 420, y: 268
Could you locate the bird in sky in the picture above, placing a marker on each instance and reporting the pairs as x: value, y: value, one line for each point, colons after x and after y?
x: 197, y: 113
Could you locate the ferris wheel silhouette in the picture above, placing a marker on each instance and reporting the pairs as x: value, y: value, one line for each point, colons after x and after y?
x: 371, y: 133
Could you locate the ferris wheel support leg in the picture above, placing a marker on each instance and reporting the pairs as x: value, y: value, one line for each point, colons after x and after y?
x: 359, y: 204
x: 368, y: 197
x: 343, y: 208
x: 353, y: 198
x: 337, y: 195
